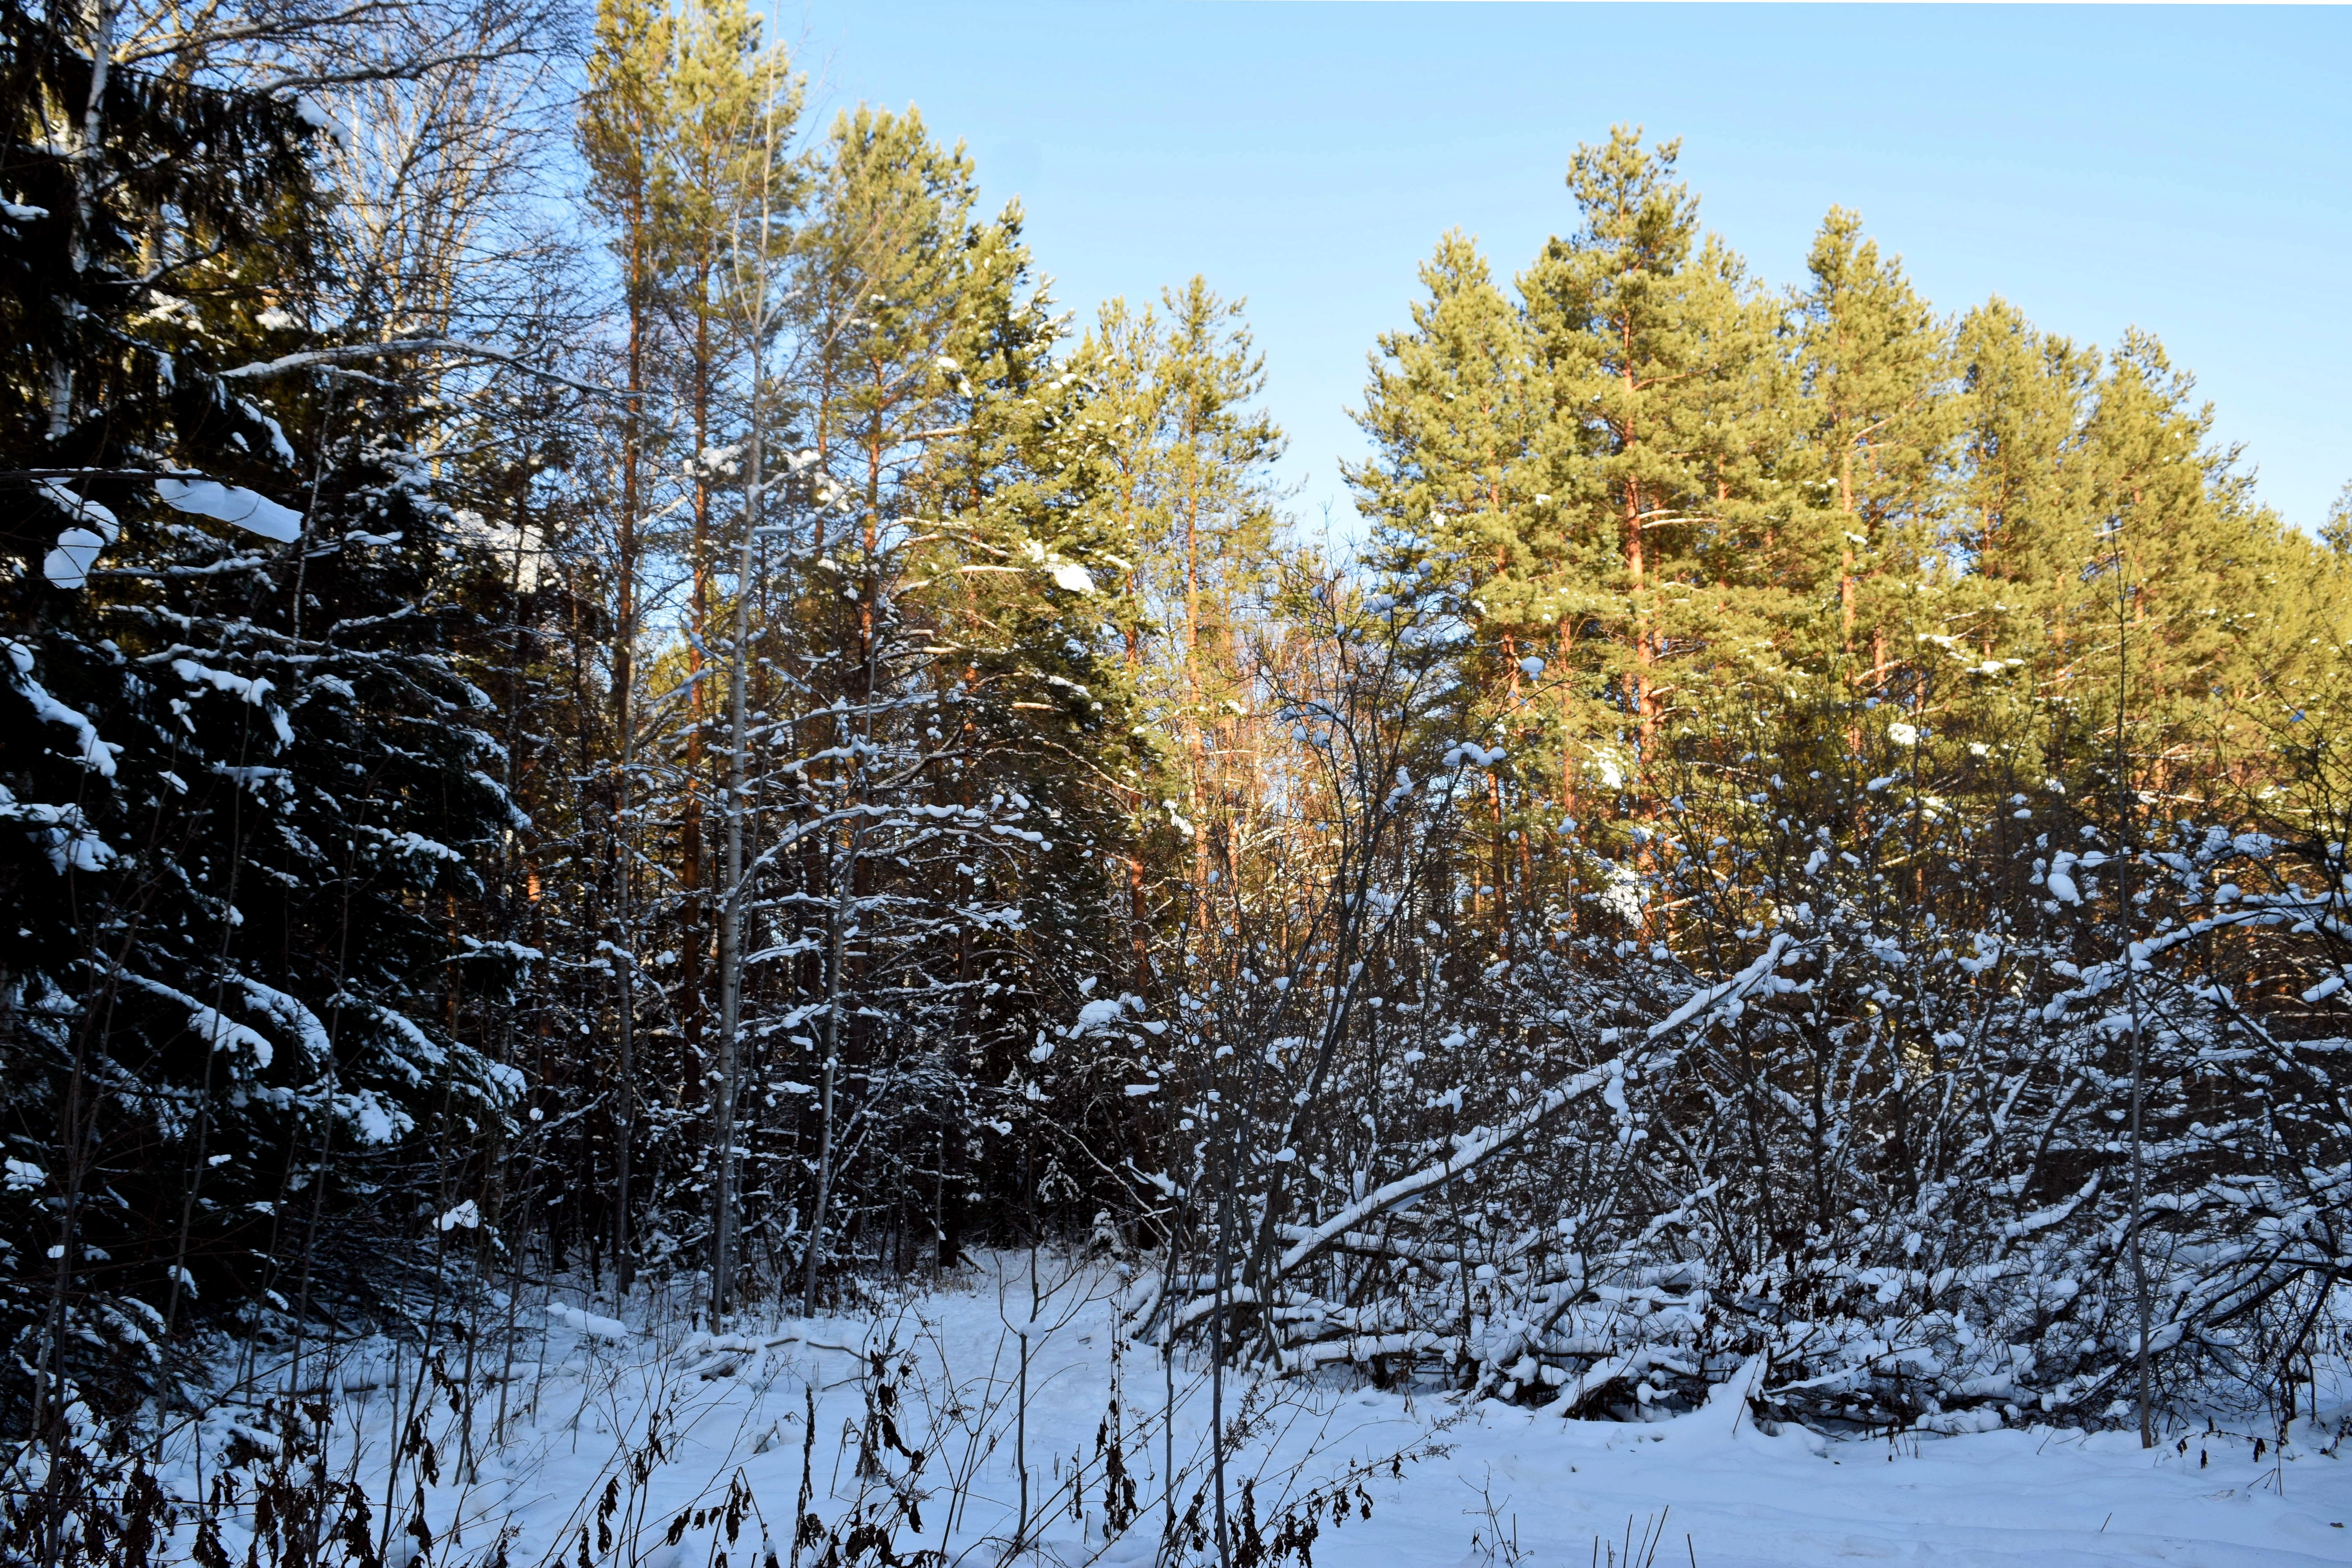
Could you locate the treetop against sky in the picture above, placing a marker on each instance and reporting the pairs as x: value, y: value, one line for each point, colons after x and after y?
x: 2185, y: 171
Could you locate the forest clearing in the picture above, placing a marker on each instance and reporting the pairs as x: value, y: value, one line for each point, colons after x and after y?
x: 695, y: 881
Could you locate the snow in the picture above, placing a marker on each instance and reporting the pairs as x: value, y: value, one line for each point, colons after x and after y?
x: 208, y: 1024
x: 1707, y: 1486
x: 96, y: 754
x: 320, y: 118
x: 253, y: 512
x: 592, y: 1323
x: 1741, y: 1499
x: 372, y: 1121
x: 291, y: 1013
x: 67, y: 564
x: 195, y: 674
x: 62, y: 832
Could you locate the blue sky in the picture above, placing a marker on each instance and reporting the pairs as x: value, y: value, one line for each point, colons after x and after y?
x: 2186, y: 170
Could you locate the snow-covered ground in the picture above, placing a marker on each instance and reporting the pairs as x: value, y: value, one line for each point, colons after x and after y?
x: 729, y: 1420
x: 1731, y: 1499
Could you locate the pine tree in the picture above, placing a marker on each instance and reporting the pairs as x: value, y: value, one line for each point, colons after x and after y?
x: 2336, y: 532
x: 1650, y: 341
x: 1456, y: 411
x: 730, y: 111
x: 1874, y: 364
x: 2223, y: 603
x: 688, y: 130
x: 620, y: 134
x: 1124, y: 411
x: 1199, y: 452
x: 2018, y: 527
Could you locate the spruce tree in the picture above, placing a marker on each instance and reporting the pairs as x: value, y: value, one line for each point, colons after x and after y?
x: 254, y: 789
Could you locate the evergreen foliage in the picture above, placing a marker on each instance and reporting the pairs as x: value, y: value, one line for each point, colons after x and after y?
x: 253, y: 796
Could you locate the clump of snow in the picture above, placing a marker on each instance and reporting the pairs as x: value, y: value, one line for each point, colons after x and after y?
x: 593, y: 1324
x: 372, y: 1121
x: 248, y: 509
x: 97, y: 755
x: 320, y: 118
x: 67, y: 564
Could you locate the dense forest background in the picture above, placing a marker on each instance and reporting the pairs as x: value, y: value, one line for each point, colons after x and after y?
x: 602, y: 683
